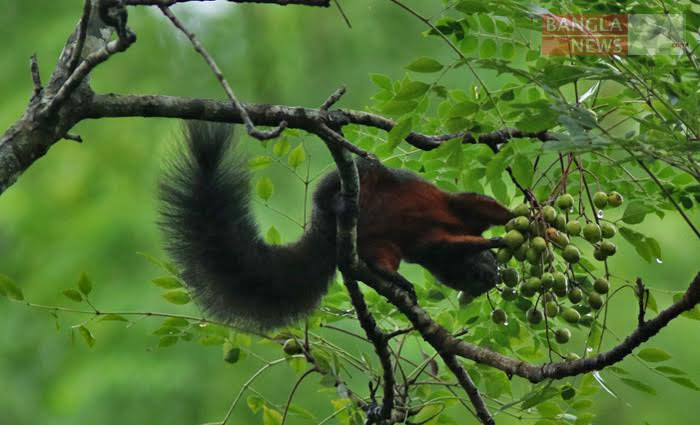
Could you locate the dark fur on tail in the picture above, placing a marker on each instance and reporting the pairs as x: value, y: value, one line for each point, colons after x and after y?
x: 211, y: 234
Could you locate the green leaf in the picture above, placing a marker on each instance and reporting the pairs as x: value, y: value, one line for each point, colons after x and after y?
x: 488, y: 49
x: 73, y: 295
x: 508, y: 50
x: 273, y: 236
x: 538, y: 397
x: 635, y: 212
x: 177, y: 297
x: 667, y: 370
x: 176, y: 322
x: 639, y: 386
x: 411, y: 90
x: 87, y: 336
x: 680, y: 380
x: 167, y: 341
x: 167, y: 282
x: 265, y: 188
x: 260, y: 162
x: 281, y: 147
x: 297, y: 156
x: 112, y: 318
x: 425, y: 64
x: 255, y: 403
x: 381, y: 81
x: 523, y: 170
x: 398, y: 108
x: 653, y: 355
x: 84, y: 284
x: 271, y: 416
x: 9, y: 289
x: 399, y: 132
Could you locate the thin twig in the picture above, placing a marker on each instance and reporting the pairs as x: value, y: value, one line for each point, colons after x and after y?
x: 291, y: 393
x: 80, y: 38
x: 36, y: 75
x: 333, y: 98
x: 342, y: 13
x: 250, y: 127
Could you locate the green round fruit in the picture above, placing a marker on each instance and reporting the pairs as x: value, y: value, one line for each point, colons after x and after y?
x: 560, y: 286
x: 510, y: 225
x: 600, y: 199
x: 570, y: 357
x: 561, y: 239
x: 291, y: 347
x: 562, y: 335
x: 521, y: 210
x: 504, y: 255
x: 559, y: 279
x: 573, y: 228
x: 534, y: 283
x: 599, y: 255
x: 571, y: 254
x: 533, y: 257
x: 510, y: 277
x: 560, y: 222
x: 509, y: 294
x: 464, y: 298
x: 607, y: 230
x: 571, y: 315
x: 575, y: 295
x: 527, y: 291
x: 601, y: 286
x: 591, y: 232
x: 514, y: 239
x: 534, y: 316
x: 614, y: 199
x: 549, y: 213
x: 499, y: 316
x: 595, y: 301
x: 520, y: 253
x: 608, y: 248
x: 565, y: 202
x: 587, y: 319
x: 547, y: 280
x: 551, y: 309
x: 522, y: 224
x: 538, y: 243
x: 535, y: 270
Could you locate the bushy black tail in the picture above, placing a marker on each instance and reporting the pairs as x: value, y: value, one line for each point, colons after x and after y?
x: 211, y: 234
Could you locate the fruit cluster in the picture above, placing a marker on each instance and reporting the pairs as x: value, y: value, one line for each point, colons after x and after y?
x: 539, y: 239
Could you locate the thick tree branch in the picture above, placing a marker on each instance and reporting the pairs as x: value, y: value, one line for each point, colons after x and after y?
x: 442, y: 340
x: 348, y: 258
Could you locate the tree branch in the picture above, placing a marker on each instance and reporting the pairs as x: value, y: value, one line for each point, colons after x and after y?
x: 250, y: 127
x: 442, y: 340
x: 466, y: 382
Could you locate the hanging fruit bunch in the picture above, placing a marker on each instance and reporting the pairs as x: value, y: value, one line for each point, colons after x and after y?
x: 542, y: 266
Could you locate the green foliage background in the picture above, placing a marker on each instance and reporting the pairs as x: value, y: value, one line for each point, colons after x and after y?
x: 90, y: 208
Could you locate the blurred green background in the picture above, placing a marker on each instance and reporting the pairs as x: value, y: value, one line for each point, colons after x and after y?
x: 90, y: 207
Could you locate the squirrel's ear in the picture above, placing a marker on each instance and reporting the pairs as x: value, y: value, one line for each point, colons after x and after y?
x: 481, y: 208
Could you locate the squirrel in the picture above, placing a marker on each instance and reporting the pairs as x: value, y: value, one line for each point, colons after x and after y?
x: 235, y: 276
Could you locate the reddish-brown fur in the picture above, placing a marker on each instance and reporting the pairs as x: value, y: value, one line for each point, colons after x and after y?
x: 404, y: 217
